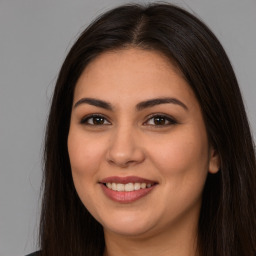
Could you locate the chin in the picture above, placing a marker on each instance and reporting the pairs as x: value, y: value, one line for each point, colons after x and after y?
x: 128, y: 230
x: 127, y: 226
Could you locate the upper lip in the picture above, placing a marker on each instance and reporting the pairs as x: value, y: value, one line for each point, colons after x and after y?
x: 127, y: 179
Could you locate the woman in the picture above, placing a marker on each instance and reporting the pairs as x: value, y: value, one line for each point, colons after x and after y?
x: 148, y: 148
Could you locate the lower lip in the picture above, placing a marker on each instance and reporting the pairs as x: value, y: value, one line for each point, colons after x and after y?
x: 126, y: 197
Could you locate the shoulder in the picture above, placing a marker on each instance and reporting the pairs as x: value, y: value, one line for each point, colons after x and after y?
x: 33, y: 254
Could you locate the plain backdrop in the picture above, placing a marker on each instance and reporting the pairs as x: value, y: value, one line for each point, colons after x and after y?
x: 35, y: 36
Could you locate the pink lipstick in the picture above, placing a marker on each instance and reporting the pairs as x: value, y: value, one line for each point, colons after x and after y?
x: 126, y: 189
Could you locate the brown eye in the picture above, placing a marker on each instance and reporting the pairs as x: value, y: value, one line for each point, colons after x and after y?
x: 160, y: 120
x: 95, y: 120
x: 98, y: 120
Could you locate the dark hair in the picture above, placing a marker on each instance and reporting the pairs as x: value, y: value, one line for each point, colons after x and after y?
x: 227, y: 223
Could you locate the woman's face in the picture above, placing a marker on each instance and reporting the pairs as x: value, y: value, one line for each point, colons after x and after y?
x: 138, y: 145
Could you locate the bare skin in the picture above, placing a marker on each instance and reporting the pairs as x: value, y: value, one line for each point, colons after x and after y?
x: 135, y: 116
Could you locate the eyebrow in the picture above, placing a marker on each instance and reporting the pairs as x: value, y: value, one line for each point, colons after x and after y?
x: 140, y: 106
x: 94, y: 102
x: 158, y: 101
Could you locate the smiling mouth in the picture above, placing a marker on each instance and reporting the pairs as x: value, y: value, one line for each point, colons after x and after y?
x: 126, y: 189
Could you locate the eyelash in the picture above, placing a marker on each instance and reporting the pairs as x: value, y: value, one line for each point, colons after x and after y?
x: 89, y: 120
x: 161, y: 117
x: 86, y: 119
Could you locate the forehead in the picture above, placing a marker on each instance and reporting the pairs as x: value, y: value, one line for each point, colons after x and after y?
x: 132, y: 73
x: 131, y: 53
x: 134, y: 60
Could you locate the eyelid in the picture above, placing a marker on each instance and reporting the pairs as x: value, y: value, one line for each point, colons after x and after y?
x: 170, y: 119
x: 89, y: 116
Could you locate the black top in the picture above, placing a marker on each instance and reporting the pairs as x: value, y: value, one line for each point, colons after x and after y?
x: 33, y: 254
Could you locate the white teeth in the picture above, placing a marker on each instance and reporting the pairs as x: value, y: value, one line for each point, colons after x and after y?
x: 128, y: 187
x: 136, y: 186
x: 113, y: 186
x: 143, y: 185
x: 120, y: 187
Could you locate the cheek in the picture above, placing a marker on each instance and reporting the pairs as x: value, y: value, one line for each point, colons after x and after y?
x: 84, y: 155
x: 183, y: 155
x: 182, y: 161
x: 84, y: 160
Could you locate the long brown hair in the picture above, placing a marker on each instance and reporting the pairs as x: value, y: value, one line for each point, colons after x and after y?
x: 227, y: 223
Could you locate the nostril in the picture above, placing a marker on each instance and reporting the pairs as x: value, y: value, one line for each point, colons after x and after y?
x: 124, y: 150
x: 121, y: 163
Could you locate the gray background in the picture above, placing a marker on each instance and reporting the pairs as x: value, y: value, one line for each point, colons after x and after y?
x: 35, y: 36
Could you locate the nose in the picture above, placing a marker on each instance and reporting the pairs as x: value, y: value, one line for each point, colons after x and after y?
x: 125, y: 148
